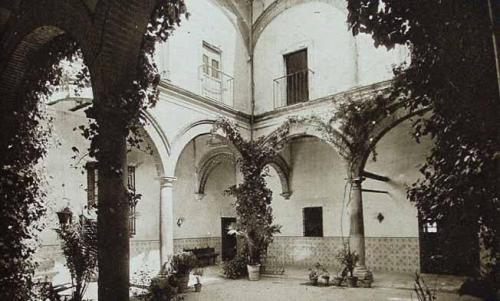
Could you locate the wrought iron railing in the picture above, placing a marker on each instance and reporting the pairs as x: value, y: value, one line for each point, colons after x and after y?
x: 292, y: 88
x: 216, y: 85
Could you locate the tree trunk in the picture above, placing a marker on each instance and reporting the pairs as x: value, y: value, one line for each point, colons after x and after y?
x: 113, y: 213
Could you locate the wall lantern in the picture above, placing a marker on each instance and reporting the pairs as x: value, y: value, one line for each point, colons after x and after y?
x: 65, y: 216
x: 180, y: 221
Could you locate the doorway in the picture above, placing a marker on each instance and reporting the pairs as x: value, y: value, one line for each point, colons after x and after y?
x: 450, y: 246
x: 297, y: 81
x: 228, y: 244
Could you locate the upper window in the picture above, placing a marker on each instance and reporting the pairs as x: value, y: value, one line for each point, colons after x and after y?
x: 211, y: 60
x: 297, y: 77
x: 313, y: 221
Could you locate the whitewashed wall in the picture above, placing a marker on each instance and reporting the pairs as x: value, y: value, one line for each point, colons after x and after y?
x: 339, y: 61
x: 181, y: 56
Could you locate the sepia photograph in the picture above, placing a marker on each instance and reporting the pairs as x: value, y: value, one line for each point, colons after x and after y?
x: 249, y: 150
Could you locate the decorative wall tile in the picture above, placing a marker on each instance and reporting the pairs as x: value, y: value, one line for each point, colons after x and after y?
x: 382, y: 254
x: 400, y: 254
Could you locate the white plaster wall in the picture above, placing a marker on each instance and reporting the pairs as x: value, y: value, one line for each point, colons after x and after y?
x: 399, y: 158
x: 317, y: 181
x: 59, y: 168
x: 201, y: 218
x: 181, y: 56
x: 339, y: 60
x: 376, y: 64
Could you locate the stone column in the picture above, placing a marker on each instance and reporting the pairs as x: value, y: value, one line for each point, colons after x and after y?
x: 166, y: 218
x: 357, y: 229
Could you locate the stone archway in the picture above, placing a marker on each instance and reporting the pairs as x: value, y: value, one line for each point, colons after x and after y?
x: 110, y: 36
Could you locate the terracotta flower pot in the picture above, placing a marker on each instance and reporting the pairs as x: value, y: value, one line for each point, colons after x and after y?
x: 253, y: 272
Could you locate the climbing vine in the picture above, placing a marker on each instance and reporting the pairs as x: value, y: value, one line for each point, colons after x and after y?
x: 23, y: 139
x: 253, y: 197
x: 350, y: 124
x: 452, y: 71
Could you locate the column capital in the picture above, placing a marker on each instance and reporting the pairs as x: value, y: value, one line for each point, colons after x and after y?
x: 167, y: 181
x: 355, y: 180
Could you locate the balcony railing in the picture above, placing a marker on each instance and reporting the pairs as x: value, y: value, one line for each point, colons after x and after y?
x: 216, y: 85
x: 292, y: 88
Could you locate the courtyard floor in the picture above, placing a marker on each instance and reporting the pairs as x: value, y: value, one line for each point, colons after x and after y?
x: 293, y: 286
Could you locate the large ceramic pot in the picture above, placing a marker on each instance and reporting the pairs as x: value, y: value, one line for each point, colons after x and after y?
x: 253, y: 272
x: 182, y: 282
x: 352, y: 281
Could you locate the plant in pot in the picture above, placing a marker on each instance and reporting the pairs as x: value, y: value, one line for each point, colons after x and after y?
x: 257, y: 235
x: 348, y: 261
x: 180, y: 265
x: 236, y: 267
x: 198, y: 273
x: 65, y: 215
x: 313, y: 276
x: 253, y: 197
x: 79, y: 246
x: 318, y: 272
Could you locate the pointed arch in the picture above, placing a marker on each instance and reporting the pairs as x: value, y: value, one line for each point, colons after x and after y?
x: 279, y: 6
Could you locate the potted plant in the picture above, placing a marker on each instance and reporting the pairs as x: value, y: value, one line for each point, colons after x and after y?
x: 313, y: 276
x: 258, y: 235
x: 253, y: 197
x: 348, y: 261
x: 326, y: 277
x: 180, y: 265
x: 65, y: 215
x: 197, y: 285
x: 79, y: 246
x: 318, y: 271
x: 198, y: 273
x: 337, y: 280
x: 162, y: 287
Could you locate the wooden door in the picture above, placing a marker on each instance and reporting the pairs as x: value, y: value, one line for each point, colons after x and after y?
x: 450, y: 246
x: 297, y: 81
x: 228, y: 244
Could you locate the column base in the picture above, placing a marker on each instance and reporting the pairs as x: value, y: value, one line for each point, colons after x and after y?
x: 365, y: 276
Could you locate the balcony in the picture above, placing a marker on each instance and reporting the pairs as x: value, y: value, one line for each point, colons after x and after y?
x: 216, y: 85
x: 292, y: 88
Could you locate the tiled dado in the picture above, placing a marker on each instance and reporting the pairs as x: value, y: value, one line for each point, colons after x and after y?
x: 200, y: 242
x: 303, y: 251
x: 47, y: 255
x: 400, y: 254
x: 383, y: 254
x: 143, y: 246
